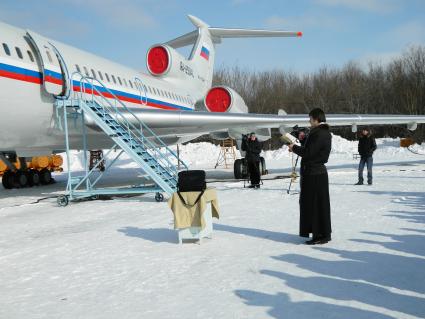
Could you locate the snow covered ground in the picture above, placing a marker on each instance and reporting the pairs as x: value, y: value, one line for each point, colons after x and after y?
x: 120, y: 258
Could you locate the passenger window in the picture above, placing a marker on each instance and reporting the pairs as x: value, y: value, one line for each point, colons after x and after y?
x: 50, y: 57
x: 6, y: 49
x: 100, y: 75
x: 131, y: 84
x: 30, y: 56
x: 107, y: 77
x: 19, y: 53
x: 85, y: 71
x: 113, y: 79
x: 78, y: 68
x: 94, y: 73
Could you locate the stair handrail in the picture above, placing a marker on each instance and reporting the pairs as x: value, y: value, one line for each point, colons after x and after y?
x: 128, y: 124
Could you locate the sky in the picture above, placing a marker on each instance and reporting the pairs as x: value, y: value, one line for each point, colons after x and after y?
x: 335, y: 32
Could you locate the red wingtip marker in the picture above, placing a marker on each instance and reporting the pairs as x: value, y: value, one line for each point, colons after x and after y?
x: 299, y: 34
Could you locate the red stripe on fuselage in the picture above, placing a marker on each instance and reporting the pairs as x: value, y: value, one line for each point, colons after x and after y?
x: 21, y: 77
x: 122, y: 98
x: 51, y: 79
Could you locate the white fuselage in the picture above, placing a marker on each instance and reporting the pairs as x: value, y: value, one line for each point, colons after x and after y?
x: 27, y: 122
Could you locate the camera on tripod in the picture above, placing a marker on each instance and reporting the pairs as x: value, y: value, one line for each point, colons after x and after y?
x: 298, y: 135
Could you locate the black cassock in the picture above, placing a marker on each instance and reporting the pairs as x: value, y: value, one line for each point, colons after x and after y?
x: 315, y: 209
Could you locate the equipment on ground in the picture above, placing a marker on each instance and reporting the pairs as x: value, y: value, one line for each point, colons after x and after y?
x: 97, y: 159
x: 293, y: 175
x: 191, y: 181
x: 21, y: 172
x: 227, y: 155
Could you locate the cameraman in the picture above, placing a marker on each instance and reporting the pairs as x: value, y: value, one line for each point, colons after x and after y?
x: 252, y: 156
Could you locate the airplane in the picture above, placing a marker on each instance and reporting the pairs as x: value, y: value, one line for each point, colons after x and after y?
x: 176, y: 99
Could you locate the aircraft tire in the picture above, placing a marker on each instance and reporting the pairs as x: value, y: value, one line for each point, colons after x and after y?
x: 7, y: 180
x: 263, y: 169
x: 45, y: 176
x: 239, y: 169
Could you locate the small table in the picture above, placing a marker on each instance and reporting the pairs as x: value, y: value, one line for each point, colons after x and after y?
x: 194, y: 221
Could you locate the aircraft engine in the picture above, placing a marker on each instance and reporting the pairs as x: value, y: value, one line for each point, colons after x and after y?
x: 223, y: 99
x: 163, y: 60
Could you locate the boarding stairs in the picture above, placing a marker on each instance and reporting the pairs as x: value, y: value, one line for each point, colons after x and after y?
x: 128, y: 133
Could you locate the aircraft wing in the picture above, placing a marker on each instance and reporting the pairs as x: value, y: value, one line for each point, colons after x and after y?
x: 195, y: 122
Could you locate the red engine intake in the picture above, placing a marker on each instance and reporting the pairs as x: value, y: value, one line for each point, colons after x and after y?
x: 222, y: 99
x: 218, y: 100
x: 158, y: 60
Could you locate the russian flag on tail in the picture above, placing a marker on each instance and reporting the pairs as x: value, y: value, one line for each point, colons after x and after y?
x: 205, y: 53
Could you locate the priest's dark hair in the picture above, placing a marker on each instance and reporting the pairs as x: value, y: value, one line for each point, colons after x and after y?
x: 318, y: 115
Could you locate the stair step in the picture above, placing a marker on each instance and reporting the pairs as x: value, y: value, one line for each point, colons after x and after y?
x: 129, y: 142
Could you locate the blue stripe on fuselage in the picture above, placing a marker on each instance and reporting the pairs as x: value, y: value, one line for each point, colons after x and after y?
x: 36, y: 74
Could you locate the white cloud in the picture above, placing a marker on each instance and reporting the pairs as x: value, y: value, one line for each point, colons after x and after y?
x: 376, y: 6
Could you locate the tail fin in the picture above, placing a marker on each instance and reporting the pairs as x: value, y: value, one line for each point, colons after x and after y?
x: 204, y: 40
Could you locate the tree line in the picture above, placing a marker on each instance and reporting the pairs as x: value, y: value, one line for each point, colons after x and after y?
x: 397, y: 87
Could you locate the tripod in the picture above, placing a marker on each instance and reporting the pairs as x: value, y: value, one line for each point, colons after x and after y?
x: 293, y: 175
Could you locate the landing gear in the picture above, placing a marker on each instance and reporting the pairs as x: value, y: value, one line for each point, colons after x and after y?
x: 263, y: 169
x: 240, y: 168
x: 159, y: 197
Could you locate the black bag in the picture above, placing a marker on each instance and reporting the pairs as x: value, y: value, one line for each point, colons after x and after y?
x: 191, y: 181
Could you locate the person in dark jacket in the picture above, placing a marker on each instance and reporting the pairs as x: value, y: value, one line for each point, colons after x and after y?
x: 253, y: 150
x: 367, y: 145
x: 315, y: 209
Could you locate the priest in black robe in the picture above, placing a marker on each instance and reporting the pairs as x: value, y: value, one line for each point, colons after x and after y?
x: 315, y: 210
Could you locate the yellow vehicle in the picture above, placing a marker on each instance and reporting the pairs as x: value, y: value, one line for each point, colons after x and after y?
x: 29, y: 172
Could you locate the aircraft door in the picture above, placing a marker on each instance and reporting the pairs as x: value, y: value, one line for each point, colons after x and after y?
x: 52, y: 65
x: 142, y: 91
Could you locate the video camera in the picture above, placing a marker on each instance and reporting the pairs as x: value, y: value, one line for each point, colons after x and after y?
x: 297, y: 136
x: 300, y: 133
